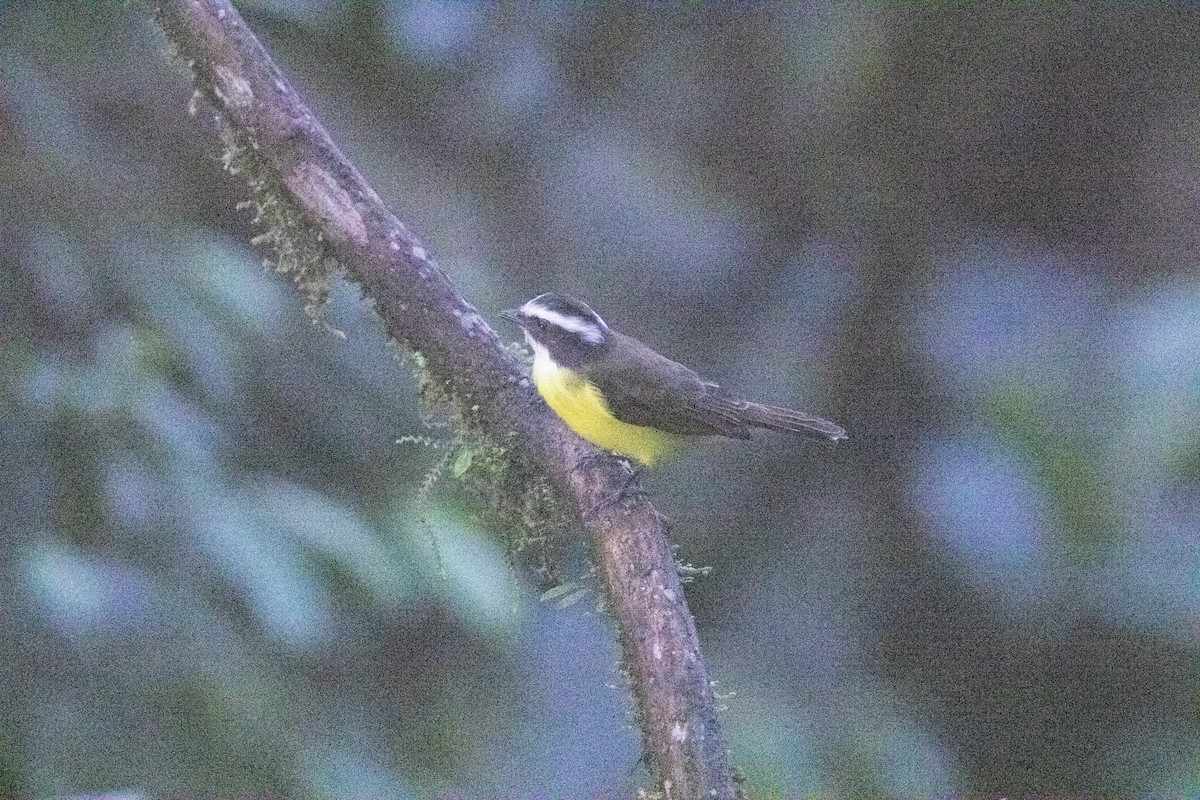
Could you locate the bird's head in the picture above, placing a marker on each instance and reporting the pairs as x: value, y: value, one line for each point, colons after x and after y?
x: 565, y: 329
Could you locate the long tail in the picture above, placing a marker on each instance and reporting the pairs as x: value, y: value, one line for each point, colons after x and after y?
x: 788, y: 421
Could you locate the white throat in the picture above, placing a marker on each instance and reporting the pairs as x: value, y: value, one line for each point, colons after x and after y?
x: 541, y: 356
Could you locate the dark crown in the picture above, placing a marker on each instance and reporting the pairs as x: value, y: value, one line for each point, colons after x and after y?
x: 552, y: 316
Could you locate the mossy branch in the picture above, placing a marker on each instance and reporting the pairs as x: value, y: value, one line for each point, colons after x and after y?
x: 319, y: 213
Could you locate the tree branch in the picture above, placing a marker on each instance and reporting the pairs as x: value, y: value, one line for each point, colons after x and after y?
x: 259, y: 110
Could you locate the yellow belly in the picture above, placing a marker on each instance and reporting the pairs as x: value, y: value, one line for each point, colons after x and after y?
x: 583, y: 408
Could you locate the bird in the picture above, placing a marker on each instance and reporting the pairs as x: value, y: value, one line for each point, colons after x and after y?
x: 623, y: 396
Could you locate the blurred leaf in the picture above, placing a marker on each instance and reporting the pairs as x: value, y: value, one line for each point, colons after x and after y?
x: 85, y: 596
x: 566, y: 594
x: 264, y: 566
x: 478, y: 583
x: 462, y: 462
x: 337, y: 534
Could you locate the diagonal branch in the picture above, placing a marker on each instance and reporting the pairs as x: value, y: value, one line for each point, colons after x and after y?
x: 258, y: 109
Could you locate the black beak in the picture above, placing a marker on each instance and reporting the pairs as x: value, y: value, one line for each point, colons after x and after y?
x: 512, y: 315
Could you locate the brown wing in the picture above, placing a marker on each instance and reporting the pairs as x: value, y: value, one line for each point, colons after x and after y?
x: 645, y: 388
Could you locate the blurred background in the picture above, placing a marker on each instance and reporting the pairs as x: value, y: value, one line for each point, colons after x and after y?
x: 967, y: 237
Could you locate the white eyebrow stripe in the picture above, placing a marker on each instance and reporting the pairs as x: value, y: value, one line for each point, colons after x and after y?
x: 588, y: 331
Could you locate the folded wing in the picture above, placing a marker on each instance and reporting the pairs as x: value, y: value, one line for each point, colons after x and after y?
x: 642, y: 387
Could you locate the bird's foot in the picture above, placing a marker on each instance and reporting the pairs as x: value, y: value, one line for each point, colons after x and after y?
x: 616, y: 497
